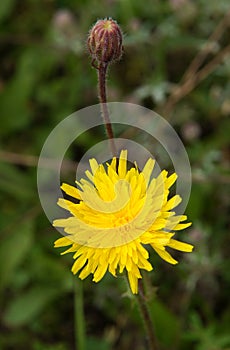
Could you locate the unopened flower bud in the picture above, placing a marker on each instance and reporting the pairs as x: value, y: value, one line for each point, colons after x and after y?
x: 105, y: 41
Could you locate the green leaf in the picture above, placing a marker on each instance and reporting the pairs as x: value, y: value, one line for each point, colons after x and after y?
x: 14, y: 182
x: 13, y: 250
x: 29, y: 305
x: 15, y: 109
x: 51, y: 271
x: 163, y: 319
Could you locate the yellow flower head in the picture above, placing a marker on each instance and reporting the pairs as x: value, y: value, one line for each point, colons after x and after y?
x: 119, y: 212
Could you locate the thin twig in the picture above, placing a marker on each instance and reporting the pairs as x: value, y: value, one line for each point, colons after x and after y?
x: 207, y: 48
x: 213, y: 64
x: 192, y: 76
x: 32, y: 161
x: 182, y: 90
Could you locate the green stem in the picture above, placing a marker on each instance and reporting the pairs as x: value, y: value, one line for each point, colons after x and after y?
x: 79, y: 320
x: 102, y: 70
x: 143, y: 308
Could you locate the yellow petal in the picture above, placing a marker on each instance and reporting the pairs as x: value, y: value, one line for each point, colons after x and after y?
x: 133, y: 281
x: 172, y: 203
x: 62, y: 242
x: 69, y: 222
x: 85, y: 272
x: 181, y: 226
x: 184, y: 247
x: 147, y: 170
x: 122, y: 166
x: 100, y: 272
x: 93, y: 165
x: 170, y: 180
x: 71, y: 191
x: 78, y: 264
x: 164, y: 255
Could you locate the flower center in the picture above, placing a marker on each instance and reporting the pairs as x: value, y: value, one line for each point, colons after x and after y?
x: 122, y: 220
x: 108, y: 25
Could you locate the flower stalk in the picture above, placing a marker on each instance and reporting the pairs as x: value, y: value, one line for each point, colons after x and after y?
x: 105, y: 46
x: 146, y: 317
x: 102, y: 70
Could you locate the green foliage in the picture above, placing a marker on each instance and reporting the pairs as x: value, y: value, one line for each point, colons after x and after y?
x: 27, y: 306
x: 13, y: 250
x: 46, y: 76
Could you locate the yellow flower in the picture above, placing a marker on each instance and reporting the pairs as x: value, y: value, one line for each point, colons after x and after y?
x: 119, y: 212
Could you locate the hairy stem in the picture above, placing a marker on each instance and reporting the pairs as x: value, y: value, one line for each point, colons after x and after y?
x: 102, y: 70
x: 143, y: 307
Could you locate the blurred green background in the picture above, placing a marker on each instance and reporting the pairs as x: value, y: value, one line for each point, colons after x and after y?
x: 45, y: 76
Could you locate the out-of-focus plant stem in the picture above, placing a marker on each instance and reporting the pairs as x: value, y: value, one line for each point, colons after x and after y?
x: 79, y: 320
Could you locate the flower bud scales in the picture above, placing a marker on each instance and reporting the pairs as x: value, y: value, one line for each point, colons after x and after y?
x: 105, y: 41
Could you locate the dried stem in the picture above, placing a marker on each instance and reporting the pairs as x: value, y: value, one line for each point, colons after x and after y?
x: 193, y: 76
x: 182, y: 90
x: 207, y: 48
x: 29, y: 160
